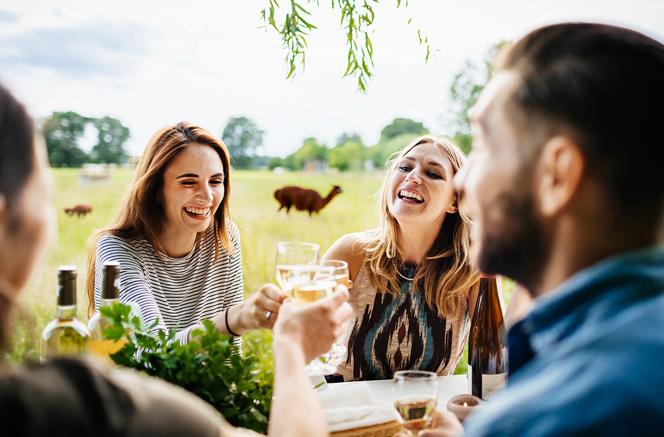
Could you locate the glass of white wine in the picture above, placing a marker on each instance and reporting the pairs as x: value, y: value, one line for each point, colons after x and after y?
x: 415, y: 394
x: 339, y: 272
x: 295, y: 261
x: 312, y: 284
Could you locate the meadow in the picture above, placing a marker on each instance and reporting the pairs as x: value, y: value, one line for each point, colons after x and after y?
x: 253, y: 209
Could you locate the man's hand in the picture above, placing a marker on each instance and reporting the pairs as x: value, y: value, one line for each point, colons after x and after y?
x: 312, y: 327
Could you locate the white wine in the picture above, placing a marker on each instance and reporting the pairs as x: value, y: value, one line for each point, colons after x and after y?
x: 289, y: 275
x: 311, y: 291
x: 110, y: 294
x: 415, y: 414
x: 65, y: 335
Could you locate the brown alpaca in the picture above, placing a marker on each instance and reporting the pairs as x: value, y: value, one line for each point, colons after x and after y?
x: 79, y: 210
x: 303, y: 199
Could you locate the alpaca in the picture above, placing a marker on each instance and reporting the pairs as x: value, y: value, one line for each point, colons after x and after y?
x: 303, y: 199
x: 79, y: 210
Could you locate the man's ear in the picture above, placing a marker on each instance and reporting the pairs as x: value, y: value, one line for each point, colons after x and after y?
x: 560, y: 170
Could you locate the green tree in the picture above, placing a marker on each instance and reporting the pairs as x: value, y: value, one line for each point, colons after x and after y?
x: 310, y: 150
x: 242, y: 137
x: 381, y: 152
x: 466, y: 87
x: 400, y: 126
x: 357, y: 18
x: 348, y: 156
x: 63, y: 131
x: 349, y: 137
x: 111, y: 137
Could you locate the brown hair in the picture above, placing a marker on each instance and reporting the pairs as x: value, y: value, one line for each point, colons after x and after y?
x: 141, y: 213
x: 446, y: 272
x: 602, y: 85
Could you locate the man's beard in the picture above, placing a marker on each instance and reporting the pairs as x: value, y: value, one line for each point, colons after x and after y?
x: 516, y: 244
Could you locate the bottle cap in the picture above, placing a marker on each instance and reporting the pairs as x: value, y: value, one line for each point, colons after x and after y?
x: 66, y: 285
x: 111, y: 275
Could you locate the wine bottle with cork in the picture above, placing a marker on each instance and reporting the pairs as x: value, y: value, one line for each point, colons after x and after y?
x: 65, y: 334
x: 487, y: 353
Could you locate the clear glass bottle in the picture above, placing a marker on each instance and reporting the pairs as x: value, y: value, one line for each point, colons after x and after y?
x: 487, y: 353
x: 65, y: 334
x: 110, y: 294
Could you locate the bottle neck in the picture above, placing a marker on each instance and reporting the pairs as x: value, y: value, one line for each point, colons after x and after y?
x: 65, y: 312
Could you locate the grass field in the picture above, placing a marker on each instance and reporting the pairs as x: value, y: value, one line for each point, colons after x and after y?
x: 253, y: 208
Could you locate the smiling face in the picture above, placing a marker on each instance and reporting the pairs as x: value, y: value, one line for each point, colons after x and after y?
x: 508, y: 235
x: 420, y: 188
x: 193, y: 189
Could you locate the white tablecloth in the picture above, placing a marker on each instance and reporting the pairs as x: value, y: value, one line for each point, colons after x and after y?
x: 351, y: 405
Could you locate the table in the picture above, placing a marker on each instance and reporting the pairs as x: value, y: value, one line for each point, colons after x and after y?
x: 381, y: 392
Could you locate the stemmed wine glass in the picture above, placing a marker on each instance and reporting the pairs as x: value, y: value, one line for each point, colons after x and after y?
x: 301, y: 276
x: 415, y: 394
x: 339, y: 272
x: 294, y: 260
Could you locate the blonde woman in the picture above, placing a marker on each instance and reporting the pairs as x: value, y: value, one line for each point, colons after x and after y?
x: 178, y: 249
x: 412, y: 281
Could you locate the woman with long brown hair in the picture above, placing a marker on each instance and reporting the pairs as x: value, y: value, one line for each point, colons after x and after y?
x: 413, y: 283
x: 178, y: 249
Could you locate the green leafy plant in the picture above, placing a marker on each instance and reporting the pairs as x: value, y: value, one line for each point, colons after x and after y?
x: 211, y: 366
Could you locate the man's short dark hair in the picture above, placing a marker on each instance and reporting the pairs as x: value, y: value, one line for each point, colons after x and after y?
x: 604, y: 86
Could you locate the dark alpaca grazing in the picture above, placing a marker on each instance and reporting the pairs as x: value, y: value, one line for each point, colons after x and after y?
x: 303, y: 199
x: 79, y: 210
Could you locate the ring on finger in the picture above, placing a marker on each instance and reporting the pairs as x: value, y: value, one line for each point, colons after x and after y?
x: 268, y: 314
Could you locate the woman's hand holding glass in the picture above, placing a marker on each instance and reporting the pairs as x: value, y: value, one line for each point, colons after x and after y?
x: 260, y: 310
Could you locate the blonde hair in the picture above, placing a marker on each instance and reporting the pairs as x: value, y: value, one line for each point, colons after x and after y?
x: 141, y: 213
x: 446, y: 272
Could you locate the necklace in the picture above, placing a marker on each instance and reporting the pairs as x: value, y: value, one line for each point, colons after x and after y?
x: 401, y: 274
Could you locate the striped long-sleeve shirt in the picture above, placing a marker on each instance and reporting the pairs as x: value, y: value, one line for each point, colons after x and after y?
x: 180, y: 292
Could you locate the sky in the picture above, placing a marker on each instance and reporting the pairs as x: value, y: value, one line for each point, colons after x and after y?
x: 153, y: 63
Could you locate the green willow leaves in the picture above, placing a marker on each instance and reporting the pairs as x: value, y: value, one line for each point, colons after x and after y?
x: 357, y: 18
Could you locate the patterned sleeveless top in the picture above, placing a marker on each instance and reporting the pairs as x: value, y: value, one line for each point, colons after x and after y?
x: 391, y: 333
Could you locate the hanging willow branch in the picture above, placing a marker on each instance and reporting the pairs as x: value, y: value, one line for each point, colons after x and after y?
x: 357, y: 18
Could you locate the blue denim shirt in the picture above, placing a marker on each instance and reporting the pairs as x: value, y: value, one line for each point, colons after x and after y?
x: 598, y: 367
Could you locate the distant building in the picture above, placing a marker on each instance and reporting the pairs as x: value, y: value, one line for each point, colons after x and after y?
x: 315, y: 165
x: 95, y: 173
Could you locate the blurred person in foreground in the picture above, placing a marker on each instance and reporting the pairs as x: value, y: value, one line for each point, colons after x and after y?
x: 564, y: 186
x: 79, y: 397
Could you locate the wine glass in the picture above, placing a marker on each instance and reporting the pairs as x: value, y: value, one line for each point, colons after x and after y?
x: 415, y: 394
x: 310, y: 284
x: 339, y: 271
x: 295, y: 260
